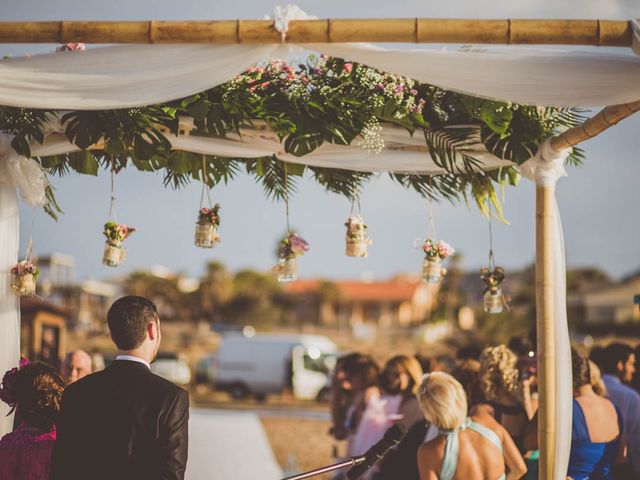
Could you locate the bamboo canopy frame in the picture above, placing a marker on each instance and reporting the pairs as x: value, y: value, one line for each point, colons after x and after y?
x: 605, y: 33
x: 415, y: 30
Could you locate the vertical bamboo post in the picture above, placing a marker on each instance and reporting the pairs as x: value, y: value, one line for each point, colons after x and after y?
x: 545, y: 332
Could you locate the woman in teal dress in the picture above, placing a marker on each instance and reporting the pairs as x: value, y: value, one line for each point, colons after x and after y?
x: 468, y: 448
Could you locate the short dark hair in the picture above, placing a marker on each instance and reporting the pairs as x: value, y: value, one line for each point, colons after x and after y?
x: 128, y: 318
x: 614, y: 353
x: 581, y: 369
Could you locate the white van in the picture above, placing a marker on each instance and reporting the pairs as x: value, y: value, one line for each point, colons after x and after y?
x: 265, y: 364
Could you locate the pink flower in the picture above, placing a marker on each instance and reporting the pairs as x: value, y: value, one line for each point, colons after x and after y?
x: 298, y: 244
x: 23, y: 362
x: 69, y: 47
x: 347, y: 67
x: 264, y: 84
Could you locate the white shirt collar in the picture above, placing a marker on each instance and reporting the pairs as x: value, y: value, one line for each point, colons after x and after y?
x: 134, y: 359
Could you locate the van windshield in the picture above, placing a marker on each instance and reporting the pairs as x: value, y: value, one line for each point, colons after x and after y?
x: 319, y: 362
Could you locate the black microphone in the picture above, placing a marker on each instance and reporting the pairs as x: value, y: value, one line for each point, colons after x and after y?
x: 391, y: 438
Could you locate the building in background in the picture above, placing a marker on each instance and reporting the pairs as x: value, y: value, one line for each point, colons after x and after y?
x: 609, y: 305
x: 402, y: 301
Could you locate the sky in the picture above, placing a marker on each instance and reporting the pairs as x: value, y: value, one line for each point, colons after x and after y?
x: 598, y: 202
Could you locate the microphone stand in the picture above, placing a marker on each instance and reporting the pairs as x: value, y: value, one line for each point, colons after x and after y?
x: 352, y: 462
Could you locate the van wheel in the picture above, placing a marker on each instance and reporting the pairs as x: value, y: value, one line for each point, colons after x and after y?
x: 238, y: 391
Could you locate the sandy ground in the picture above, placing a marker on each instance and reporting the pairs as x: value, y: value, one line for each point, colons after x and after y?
x: 300, y: 442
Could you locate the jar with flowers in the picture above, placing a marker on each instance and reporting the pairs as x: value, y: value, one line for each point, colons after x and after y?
x: 114, y: 253
x: 434, y: 254
x: 24, y: 274
x: 206, y: 235
x: 291, y: 247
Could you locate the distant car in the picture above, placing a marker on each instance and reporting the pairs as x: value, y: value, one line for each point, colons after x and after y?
x: 171, y: 367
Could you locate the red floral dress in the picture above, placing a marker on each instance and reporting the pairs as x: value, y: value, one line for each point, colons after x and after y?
x: 26, y: 454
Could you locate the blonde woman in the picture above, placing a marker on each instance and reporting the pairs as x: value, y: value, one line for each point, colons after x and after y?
x: 468, y: 448
x: 507, y: 399
x: 595, y: 379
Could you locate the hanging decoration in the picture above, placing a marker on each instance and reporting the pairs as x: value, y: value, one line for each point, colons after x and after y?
x: 206, y: 235
x: 290, y: 247
x: 435, y: 251
x: 115, y: 233
x: 357, y: 238
x: 494, y: 299
x: 25, y: 273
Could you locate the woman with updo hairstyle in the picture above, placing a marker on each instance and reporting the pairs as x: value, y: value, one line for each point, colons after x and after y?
x: 596, y: 439
x: 34, y: 391
x: 508, y: 399
x: 467, y: 448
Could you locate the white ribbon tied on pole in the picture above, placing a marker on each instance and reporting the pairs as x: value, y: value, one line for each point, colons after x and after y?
x: 545, y: 168
x: 16, y: 171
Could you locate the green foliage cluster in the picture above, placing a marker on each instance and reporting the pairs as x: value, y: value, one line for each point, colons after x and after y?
x: 322, y: 100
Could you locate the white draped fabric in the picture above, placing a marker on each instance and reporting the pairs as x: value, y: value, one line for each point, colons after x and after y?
x: 126, y: 76
x: 16, y: 172
x: 545, y: 168
x: 403, y: 153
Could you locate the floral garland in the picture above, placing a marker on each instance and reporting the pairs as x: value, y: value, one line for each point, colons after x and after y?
x: 322, y: 100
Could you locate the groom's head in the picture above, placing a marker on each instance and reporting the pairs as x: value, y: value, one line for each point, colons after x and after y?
x: 134, y: 325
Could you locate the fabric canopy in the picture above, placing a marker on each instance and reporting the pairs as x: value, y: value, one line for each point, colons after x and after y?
x: 403, y: 153
x: 128, y: 76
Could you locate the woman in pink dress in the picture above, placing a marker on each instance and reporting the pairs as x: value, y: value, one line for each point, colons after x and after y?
x: 35, y: 391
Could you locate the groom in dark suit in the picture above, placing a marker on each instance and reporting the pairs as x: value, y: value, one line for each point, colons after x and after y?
x: 124, y: 423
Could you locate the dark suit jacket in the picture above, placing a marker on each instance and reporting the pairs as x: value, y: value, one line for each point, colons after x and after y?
x: 122, y: 423
x: 401, y: 463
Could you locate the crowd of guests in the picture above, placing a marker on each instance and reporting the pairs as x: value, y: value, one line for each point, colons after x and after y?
x: 475, y: 416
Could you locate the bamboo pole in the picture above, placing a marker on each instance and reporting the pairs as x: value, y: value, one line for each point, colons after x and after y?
x: 611, y: 33
x: 545, y: 300
x: 606, y: 118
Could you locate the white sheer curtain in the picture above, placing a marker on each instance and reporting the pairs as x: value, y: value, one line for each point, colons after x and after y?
x: 545, y: 168
x: 16, y: 172
x: 125, y: 76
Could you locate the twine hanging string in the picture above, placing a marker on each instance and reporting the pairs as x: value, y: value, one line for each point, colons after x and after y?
x: 30, y: 244
x: 286, y: 197
x: 205, y: 185
x: 492, y: 263
x: 112, y: 205
x: 355, y: 201
x: 432, y: 226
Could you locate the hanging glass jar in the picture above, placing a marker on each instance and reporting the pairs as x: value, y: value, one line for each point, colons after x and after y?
x: 287, y: 270
x: 357, y: 238
x: 493, y: 300
x: 206, y: 234
x: 435, y: 253
x: 432, y: 270
x: 114, y: 253
x: 291, y: 247
x: 24, y: 278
